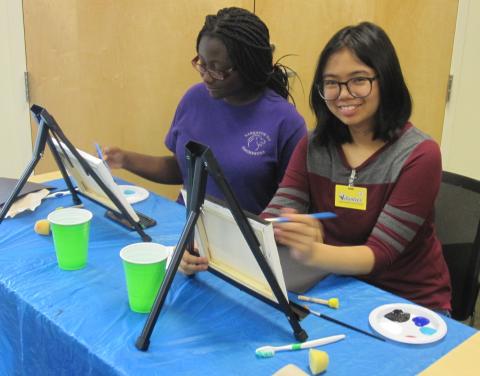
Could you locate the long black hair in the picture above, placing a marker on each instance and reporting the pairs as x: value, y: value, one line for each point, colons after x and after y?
x: 247, y: 40
x: 373, y: 47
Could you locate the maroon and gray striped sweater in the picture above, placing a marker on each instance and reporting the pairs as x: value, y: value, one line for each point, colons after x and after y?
x: 402, y: 181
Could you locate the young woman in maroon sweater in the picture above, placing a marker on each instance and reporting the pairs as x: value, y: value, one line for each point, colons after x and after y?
x: 375, y: 170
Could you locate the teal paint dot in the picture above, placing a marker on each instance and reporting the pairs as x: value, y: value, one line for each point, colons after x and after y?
x: 428, y: 331
x: 128, y: 192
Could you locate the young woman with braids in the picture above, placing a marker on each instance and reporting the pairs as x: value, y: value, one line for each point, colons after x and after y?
x: 240, y: 110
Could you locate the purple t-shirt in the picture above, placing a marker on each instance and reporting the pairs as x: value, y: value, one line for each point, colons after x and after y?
x: 252, y: 143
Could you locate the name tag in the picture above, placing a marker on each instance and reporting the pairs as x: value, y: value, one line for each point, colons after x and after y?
x: 350, y: 197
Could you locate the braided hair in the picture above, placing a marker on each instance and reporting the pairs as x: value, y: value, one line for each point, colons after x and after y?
x: 247, y: 40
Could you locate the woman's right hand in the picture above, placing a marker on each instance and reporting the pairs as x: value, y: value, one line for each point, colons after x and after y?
x: 114, y: 156
x: 300, y: 234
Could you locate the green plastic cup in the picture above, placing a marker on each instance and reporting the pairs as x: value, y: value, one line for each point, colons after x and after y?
x: 70, y: 229
x: 144, y: 265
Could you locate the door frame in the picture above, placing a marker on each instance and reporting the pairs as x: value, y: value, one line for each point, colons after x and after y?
x: 460, y: 135
x: 15, y: 131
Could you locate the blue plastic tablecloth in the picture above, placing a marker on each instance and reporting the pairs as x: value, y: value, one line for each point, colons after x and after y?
x: 55, y: 322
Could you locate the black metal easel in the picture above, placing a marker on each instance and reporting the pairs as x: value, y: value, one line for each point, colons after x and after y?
x: 48, y: 128
x: 200, y: 161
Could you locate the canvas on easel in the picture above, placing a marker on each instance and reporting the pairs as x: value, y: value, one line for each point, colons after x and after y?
x: 219, y: 239
x: 247, y: 267
x: 68, y: 157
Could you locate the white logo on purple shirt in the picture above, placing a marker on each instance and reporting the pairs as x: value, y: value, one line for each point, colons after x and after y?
x: 256, y: 143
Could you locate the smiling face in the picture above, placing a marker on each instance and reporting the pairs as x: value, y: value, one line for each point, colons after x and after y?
x: 356, y: 113
x: 213, y: 55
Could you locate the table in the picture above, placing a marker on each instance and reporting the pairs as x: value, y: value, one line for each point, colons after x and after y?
x: 462, y: 360
x: 55, y: 322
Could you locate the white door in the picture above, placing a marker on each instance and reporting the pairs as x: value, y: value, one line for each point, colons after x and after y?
x: 461, y: 130
x: 15, y: 133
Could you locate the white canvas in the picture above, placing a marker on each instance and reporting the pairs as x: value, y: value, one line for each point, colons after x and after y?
x: 87, y: 185
x: 218, y: 237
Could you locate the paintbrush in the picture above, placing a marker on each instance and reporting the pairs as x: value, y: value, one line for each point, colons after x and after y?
x: 328, y: 318
x: 321, y: 215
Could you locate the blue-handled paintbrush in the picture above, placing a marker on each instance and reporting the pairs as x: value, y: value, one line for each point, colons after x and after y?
x: 321, y: 215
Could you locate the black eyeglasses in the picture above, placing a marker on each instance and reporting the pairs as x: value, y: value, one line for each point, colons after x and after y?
x: 215, y: 74
x: 358, y: 87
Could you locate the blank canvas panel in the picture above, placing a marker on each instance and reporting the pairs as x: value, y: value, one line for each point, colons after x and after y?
x: 219, y: 238
x: 86, y: 184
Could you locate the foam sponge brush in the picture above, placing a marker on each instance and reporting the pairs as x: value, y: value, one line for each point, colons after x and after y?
x: 318, y: 361
x: 42, y: 227
x: 334, y: 303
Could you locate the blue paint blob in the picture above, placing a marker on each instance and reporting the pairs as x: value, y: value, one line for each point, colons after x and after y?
x: 428, y: 331
x: 128, y: 192
x: 421, y: 321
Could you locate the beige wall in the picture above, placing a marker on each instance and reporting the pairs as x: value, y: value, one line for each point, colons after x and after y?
x: 421, y: 31
x: 461, y: 132
x: 459, y: 135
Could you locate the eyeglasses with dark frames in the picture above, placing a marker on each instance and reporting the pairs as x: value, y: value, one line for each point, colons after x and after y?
x: 358, y: 87
x: 215, y: 74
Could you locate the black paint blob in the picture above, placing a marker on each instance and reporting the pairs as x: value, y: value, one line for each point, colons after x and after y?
x: 398, y: 315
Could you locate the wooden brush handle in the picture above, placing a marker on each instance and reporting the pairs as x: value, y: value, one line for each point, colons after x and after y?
x: 313, y: 300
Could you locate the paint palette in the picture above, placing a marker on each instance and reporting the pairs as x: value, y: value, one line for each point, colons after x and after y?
x: 133, y: 194
x: 408, y: 323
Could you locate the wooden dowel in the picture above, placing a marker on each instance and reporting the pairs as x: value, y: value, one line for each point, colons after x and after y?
x: 313, y: 300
